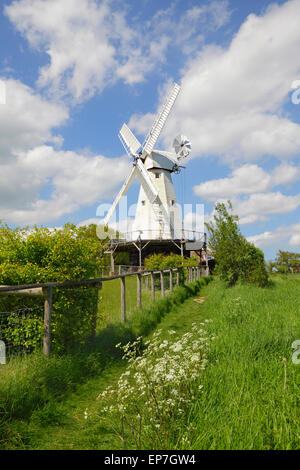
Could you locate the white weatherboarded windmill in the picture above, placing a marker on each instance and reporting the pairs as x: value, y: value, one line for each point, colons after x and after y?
x: 157, y: 215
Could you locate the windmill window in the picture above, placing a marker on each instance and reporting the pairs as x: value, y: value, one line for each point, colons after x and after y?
x: 143, y: 203
x: 172, y: 202
x: 157, y: 175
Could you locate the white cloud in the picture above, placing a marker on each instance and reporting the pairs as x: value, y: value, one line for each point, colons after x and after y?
x: 267, y: 239
x: 75, y: 180
x: 90, y: 44
x: 260, y: 205
x: 247, y: 179
x: 27, y: 165
x: 295, y: 239
x: 27, y: 120
x: 74, y: 34
x: 249, y: 189
x: 283, y: 234
x: 285, y: 174
x: 244, y: 180
x: 231, y: 100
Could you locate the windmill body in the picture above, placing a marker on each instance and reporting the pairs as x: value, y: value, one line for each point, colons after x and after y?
x: 158, y: 215
x: 160, y: 219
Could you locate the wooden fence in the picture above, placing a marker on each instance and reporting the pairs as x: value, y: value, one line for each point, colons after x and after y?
x: 46, y: 291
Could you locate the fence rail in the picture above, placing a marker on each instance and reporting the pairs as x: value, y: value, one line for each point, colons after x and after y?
x: 45, y: 291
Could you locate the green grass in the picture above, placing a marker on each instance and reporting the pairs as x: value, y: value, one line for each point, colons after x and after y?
x: 246, y: 401
x: 32, y: 388
x: 109, y: 309
x: 62, y: 425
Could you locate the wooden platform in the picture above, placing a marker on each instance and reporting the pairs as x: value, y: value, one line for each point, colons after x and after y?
x: 142, y: 248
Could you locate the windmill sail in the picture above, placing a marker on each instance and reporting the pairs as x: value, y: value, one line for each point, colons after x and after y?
x: 148, y: 186
x: 161, y: 120
x: 122, y: 193
x: 128, y: 140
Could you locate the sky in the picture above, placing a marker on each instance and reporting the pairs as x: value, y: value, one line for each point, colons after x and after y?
x: 72, y: 72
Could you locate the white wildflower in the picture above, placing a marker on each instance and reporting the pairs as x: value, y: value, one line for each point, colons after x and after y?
x: 177, y: 347
x: 195, y: 357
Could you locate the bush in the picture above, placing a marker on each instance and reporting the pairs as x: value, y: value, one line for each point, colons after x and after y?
x: 160, y: 261
x: 43, y: 255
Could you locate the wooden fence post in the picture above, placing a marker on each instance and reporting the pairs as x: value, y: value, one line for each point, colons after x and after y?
x: 171, y: 280
x: 139, y: 291
x: 47, y: 321
x: 152, y: 286
x: 112, y: 263
x: 162, y: 284
x: 123, y: 299
x: 98, y: 286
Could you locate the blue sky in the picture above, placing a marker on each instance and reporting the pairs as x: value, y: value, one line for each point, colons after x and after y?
x: 74, y: 71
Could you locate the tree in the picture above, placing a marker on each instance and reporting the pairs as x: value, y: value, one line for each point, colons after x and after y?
x: 236, y: 258
x: 285, y: 261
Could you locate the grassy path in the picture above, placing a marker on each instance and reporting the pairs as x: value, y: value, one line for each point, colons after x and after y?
x: 64, y: 426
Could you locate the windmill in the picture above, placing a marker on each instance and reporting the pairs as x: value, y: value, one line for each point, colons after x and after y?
x: 157, y: 214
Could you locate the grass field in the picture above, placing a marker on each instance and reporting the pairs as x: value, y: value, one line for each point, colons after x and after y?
x: 250, y: 395
x: 251, y: 387
x: 110, y: 300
